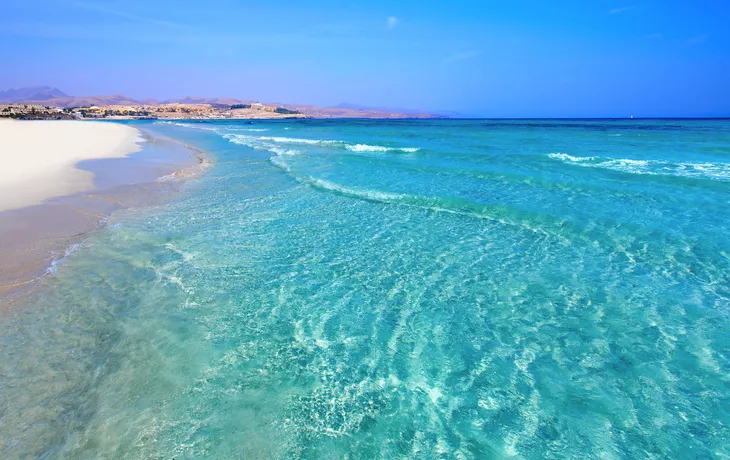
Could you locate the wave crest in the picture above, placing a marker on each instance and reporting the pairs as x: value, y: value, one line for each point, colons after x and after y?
x: 294, y: 140
x: 378, y: 148
x: 708, y: 170
x: 566, y: 157
x: 269, y: 143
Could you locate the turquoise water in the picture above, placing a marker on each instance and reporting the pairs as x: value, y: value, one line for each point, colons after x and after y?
x: 395, y: 289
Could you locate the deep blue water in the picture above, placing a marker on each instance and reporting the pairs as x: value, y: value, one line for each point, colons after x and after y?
x: 395, y: 289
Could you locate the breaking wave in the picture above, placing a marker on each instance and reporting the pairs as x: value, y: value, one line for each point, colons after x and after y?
x: 440, y: 204
x: 543, y: 224
x: 294, y: 140
x: 707, y: 170
x: 570, y: 158
x: 268, y: 143
x: 378, y: 148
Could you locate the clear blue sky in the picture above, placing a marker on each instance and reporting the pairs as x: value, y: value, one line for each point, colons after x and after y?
x: 488, y: 58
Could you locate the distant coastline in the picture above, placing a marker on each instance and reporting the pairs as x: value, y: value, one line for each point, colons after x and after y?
x: 51, y: 103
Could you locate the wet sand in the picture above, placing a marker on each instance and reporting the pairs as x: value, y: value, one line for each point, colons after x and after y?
x: 33, y: 238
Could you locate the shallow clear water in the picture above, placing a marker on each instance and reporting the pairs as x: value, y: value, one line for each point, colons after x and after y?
x: 394, y: 289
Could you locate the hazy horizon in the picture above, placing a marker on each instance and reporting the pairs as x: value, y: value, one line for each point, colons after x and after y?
x: 604, y: 59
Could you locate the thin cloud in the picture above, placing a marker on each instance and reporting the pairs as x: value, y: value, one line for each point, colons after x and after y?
x: 699, y: 39
x: 621, y: 10
x: 125, y: 15
x: 462, y: 56
x: 392, y: 21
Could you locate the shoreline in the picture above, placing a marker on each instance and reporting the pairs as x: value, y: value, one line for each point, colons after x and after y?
x: 35, y: 238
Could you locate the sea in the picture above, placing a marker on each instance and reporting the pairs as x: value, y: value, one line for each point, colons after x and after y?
x: 426, y: 289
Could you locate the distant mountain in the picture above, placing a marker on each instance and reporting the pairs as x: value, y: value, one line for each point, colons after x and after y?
x: 208, y: 100
x: 346, y: 110
x: 351, y: 106
x: 85, y: 101
x: 63, y: 100
x: 31, y: 93
x: 418, y: 113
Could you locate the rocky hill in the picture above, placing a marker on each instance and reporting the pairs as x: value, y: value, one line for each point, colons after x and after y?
x: 33, y: 93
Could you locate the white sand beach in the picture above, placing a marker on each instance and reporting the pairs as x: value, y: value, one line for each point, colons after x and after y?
x: 39, y: 158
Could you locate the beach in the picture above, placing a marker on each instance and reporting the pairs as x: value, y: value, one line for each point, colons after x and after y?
x: 39, y: 158
x: 61, y: 179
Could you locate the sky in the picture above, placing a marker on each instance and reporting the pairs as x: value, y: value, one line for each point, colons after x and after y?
x: 517, y: 58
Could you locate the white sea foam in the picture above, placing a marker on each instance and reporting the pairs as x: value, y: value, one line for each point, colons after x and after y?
x: 251, y: 140
x: 257, y: 143
x: 359, y: 193
x: 175, y: 123
x: 242, y: 139
x: 52, y: 269
x: 269, y: 142
x: 278, y: 161
x: 430, y: 203
x: 294, y: 140
x: 378, y: 148
x: 566, y: 157
x: 714, y: 171
x: 279, y: 151
x: 366, y: 148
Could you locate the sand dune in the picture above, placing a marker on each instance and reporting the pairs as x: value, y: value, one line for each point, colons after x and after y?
x: 39, y: 157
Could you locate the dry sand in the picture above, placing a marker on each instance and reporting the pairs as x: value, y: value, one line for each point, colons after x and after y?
x: 38, y: 158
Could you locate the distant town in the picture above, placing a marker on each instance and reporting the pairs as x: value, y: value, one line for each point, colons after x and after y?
x: 155, y: 111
